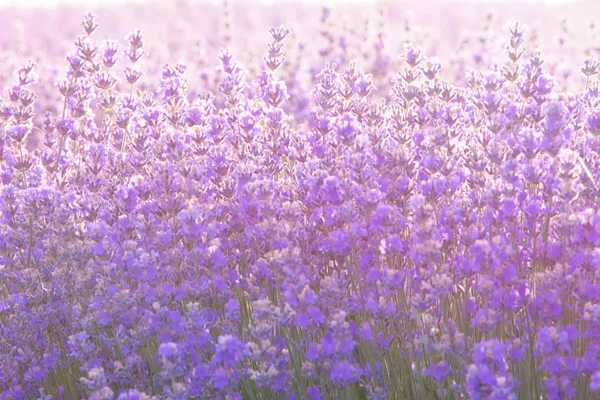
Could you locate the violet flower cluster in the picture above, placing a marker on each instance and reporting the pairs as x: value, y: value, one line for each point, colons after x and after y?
x: 370, y: 227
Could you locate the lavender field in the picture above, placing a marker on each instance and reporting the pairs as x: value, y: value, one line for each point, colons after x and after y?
x: 243, y: 201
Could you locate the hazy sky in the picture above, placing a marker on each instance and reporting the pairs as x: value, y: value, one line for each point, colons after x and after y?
x: 97, y: 2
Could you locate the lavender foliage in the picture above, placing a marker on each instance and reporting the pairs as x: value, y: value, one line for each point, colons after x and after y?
x: 348, y: 212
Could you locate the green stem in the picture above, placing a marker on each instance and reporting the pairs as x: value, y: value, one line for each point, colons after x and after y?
x: 62, y: 137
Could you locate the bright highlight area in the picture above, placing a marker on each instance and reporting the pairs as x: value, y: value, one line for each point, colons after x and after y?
x: 284, y: 201
x: 95, y: 3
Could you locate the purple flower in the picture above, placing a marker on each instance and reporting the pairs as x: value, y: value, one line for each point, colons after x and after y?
x: 314, y: 392
x: 131, y: 394
x: 344, y: 372
x: 595, y: 381
x: 18, y: 132
x: 438, y: 371
x: 229, y: 351
x: 488, y: 377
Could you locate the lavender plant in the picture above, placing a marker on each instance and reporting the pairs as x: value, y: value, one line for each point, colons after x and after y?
x: 353, y: 221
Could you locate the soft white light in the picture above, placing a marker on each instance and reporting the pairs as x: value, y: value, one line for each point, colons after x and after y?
x: 51, y: 3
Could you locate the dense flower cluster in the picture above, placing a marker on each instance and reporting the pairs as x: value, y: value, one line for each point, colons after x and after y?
x: 379, y: 230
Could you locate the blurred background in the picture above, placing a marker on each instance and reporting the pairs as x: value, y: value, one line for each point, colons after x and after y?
x: 52, y: 3
x: 466, y: 35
